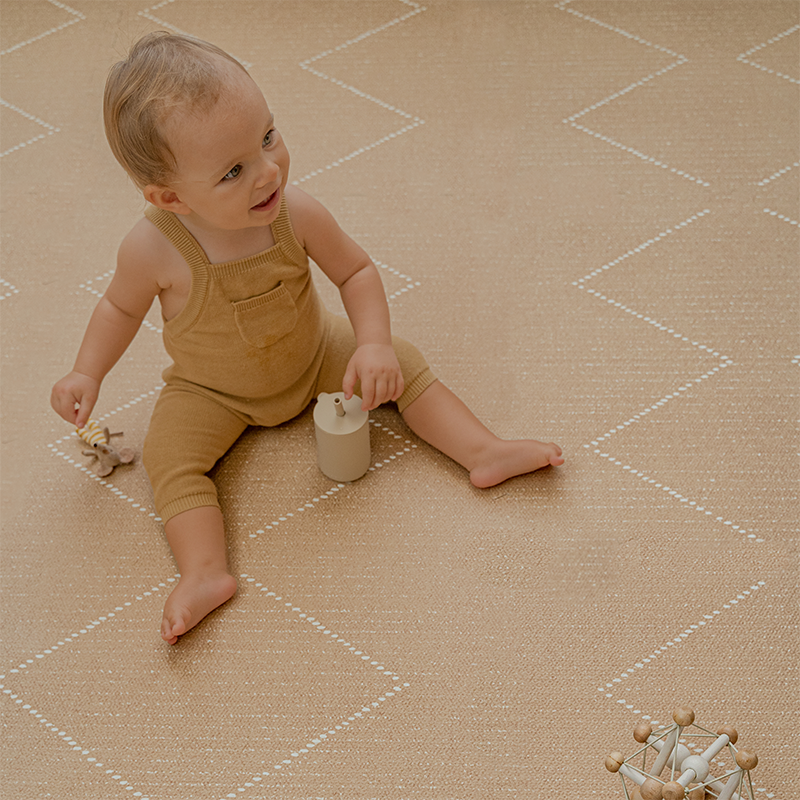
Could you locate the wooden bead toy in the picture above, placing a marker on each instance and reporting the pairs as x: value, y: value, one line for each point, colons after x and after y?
x: 746, y: 760
x: 676, y: 762
x: 729, y: 731
x: 673, y: 791
x: 614, y: 761
x: 642, y: 731
x: 651, y: 789
x: 683, y: 716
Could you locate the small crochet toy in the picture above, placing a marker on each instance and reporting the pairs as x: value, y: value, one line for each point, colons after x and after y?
x: 107, y: 457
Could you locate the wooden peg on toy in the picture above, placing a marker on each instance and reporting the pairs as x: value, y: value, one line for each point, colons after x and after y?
x: 747, y: 760
x: 642, y: 731
x: 614, y: 761
x: 683, y: 716
x: 99, y: 439
x: 647, y: 788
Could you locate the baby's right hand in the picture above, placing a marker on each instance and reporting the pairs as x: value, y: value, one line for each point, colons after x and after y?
x: 74, y: 396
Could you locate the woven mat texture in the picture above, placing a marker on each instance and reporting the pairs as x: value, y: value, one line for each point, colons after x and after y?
x: 586, y: 216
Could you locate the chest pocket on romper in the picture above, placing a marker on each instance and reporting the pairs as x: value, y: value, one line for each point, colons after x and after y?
x: 266, y: 318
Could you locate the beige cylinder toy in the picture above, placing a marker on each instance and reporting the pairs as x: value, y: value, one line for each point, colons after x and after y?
x: 343, y: 451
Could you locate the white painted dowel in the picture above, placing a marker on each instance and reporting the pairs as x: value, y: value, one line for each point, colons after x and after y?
x: 635, y: 776
x: 728, y: 792
x: 679, y: 754
x: 666, y: 752
x: 719, y: 786
x: 716, y: 747
x: 686, y: 778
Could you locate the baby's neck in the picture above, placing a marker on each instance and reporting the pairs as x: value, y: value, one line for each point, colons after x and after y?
x: 224, y: 245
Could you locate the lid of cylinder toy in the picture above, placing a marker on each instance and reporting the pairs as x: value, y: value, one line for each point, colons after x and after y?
x: 334, y: 414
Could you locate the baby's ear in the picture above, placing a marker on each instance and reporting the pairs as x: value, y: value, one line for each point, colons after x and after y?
x: 164, y: 197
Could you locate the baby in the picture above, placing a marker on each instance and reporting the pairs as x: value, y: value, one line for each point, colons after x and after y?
x: 225, y: 246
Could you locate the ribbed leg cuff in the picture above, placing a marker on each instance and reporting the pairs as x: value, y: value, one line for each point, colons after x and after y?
x: 415, y: 389
x: 182, y: 504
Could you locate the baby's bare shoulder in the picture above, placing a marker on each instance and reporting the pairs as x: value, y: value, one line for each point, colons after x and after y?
x: 145, y: 251
x: 144, y: 243
x: 308, y: 215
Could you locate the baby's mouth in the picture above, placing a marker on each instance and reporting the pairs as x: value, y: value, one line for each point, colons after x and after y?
x: 266, y: 202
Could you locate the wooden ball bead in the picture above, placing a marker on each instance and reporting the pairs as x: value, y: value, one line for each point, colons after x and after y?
x: 673, y: 791
x: 683, y: 716
x: 746, y: 760
x: 614, y: 761
x: 642, y: 731
x: 650, y: 790
x: 698, y: 793
x: 730, y: 732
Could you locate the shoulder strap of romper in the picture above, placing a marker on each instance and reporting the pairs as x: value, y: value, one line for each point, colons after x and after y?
x: 284, y: 236
x: 195, y: 257
x: 185, y: 243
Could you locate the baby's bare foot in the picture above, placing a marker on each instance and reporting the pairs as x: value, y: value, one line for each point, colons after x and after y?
x: 192, y: 599
x: 505, y: 459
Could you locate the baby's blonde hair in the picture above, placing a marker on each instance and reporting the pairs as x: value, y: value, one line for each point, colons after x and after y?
x: 163, y: 72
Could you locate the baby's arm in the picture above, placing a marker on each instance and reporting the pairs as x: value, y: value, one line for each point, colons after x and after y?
x: 112, y: 327
x: 352, y: 271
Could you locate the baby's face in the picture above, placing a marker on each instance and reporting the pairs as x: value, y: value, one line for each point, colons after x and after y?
x: 232, y: 164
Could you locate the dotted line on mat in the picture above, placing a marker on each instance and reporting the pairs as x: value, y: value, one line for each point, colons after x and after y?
x: 334, y: 489
x: 780, y: 216
x: 679, y: 639
x: 301, y: 752
x: 631, y: 87
x: 778, y: 174
x: 562, y: 6
x: 22, y: 668
x: 417, y: 9
x: 78, y: 17
x: 415, y: 121
x: 410, y: 282
x: 9, y: 290
x: 84, y: 630
x: 571, y: 120
x: 659, y: 403
x: 643, y: 246
x: 321, y: 628
x: 677, y: 495
x: 79, y: 749
x: 656, y: 324
x: 743, y: 57
x: 51, y: 129
x: 359, y: 151
x: 643, y: 156
x: 147, y: 15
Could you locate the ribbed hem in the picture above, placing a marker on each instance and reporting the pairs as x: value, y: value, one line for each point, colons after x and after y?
x: 187, y: 503
x: 415, y: 389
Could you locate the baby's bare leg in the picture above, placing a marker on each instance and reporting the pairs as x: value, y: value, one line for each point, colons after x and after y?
x: 444, y: 421
x: 197, y: 539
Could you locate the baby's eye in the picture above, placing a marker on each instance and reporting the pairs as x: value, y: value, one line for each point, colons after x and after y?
x: 268, y: 139
x: 234, y: 173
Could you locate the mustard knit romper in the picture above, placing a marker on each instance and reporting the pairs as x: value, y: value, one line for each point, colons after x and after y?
x: 253, y: 346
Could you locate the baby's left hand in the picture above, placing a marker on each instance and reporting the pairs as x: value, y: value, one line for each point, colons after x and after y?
x: 376, y: 366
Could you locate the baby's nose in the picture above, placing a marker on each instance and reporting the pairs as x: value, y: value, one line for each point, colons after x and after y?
x: 269, y: 171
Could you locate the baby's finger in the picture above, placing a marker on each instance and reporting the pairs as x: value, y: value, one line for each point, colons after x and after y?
x: 379, y: 394
x: 367, y: 394
x: 349, y: 381
x: 82, y: 417
x: 399, y: 386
